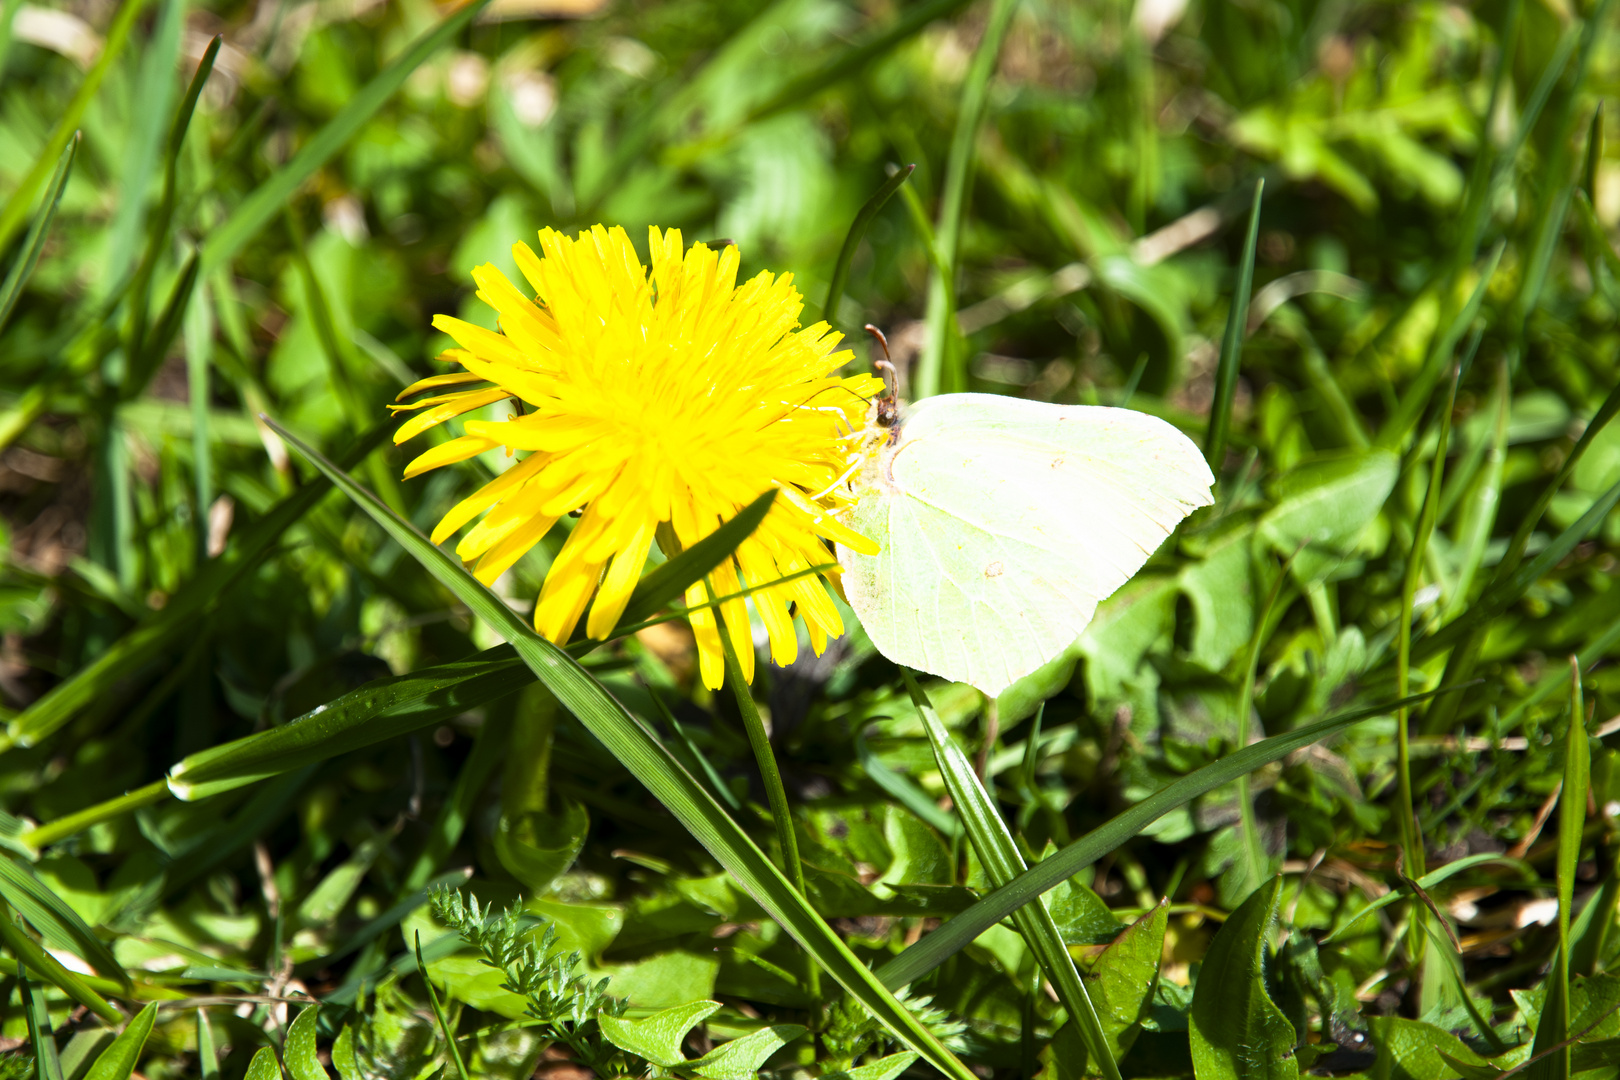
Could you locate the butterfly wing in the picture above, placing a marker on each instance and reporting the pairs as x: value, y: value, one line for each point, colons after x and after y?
x: 1005, y: 522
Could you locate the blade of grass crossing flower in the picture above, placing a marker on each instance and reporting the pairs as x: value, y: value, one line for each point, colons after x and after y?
x: 641, y: 752
x: 673, y: 577
x: 438, y: 1013
x: 775, y: 793
x: 938, y: 369
x: 153, y: 637
x: 47, y: 1065
x: 27, y: 951
x: 857, y: 230
x: 937, y: 947
x: 993, y: 842
x: 255, y: 212
x: 118, y: 1061
x: 22, y: 197
x: 1226, y: 370
x: 23, y: 268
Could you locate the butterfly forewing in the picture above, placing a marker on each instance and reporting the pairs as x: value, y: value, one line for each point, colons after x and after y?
x: 1005, y: 522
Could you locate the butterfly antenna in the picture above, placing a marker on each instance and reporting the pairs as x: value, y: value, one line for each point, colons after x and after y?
x: 888, y: 409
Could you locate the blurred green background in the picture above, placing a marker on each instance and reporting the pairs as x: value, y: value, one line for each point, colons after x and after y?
x: 1436, y: 183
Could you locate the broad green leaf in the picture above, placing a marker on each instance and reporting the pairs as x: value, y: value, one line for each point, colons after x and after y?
x: 740, y: 1059
x: 379, y: 710
x: 1325, y: 504
x: 1125, y: 976
x: 54, y: 918
x: 651, y: 762
x: 266, y: 200
x: 263, y: 1066
x: 1591, y: 1056
x: 537, y: 847
x: 1081, y: 916
x: 1238, y: 1033
x: 118, y: 1061
x: 298, y: 1051
x: 1409, y: 1050
x: 888, y: 1068
x: 953, y: 936
x: 993, y: 842
x: 658, y: 1038
x: 343, y: 1057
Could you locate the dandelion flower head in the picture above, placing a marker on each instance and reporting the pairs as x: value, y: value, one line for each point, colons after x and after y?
x: 656, y: 401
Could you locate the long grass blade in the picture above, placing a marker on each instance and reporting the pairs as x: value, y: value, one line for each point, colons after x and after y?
x: 852, y: 240
x: 1237, y: 319
x: 953, y: 936
x: 22, y: 198
x: 47, y: 1065
x: 993, y: 842
x: 673, y: 577
x: 48, y: 967
x: 268, y: 198
x: 51, y: 916
x: 23, y: 268
x: 936, y: 370
x: 651, y: 762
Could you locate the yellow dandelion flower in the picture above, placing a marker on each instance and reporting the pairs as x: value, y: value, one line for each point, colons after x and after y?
x: 659, y: 401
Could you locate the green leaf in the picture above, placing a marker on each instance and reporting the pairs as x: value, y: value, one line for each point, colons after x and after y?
x: 650, y: 761
x: 299, y: 1051
x: 60, y: 925
x: 993, y: 843
x: 343, y: 1057
x: 381, y: 709
x: 1238, y: 1033
x: 886, y: 1068
x: 658, y: 1038
x: 1590, y: 1056
x: 254, y: 212
x: 740, y: 1059
x: 1410, y: 1050
x: 118, y: 1061
x: 263, y: 1066
x: 1325, y: 505
x: 953, y: 936
x: 538, y: 847
x: 23, y: 266
x: 1125, y: 976
x: 1237, y: 319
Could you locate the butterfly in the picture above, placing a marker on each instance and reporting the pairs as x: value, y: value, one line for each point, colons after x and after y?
x: 1003, y: 523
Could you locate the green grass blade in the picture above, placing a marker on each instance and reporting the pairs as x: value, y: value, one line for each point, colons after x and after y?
x: 207, y: 1055
x: 118, y: 1061
x: 153, y: 87
x: 673, y: 577
x: 652, y: 763
x: 904, y: 791
x: 1428, y: 881
x: 37, y: 839
x: 53, y: 918
x: 852, y: 240
x: 1416, y: 399
x: 8, y: 12
x: 46, y: 1064
x: 938, y: 946
x: 156, y: 345
x: 1572, y: 803
x: 381, y: 709
x: 936, y: 371
x: 438, y: 1013
x: 1237, y: 321
x: 17, y: 206
x: 268, y: 198
x: 27, y: 951
x: 993, y: 842
x: 152, y: 638
x: 23, y: 268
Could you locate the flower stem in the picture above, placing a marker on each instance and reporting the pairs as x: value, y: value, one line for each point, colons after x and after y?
x: 781, y: 813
